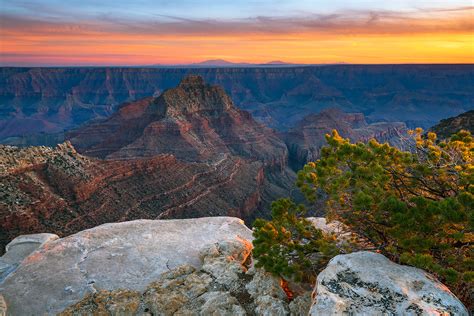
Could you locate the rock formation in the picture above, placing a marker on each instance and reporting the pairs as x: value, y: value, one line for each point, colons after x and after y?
x: 58, y: 190
x: 187, y: 153
x: 367, y: 283
x: 163, y: 267
x: 306, y: 139
x: 201, y: 267
x: 193, y: 122
x: 452, y: 125
x: 53, y: 99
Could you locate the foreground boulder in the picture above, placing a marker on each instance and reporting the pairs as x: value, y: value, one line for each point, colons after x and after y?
x: 222, y: 286
x: 20, y: 248
x: 366, y: 283
x: 128, y: 255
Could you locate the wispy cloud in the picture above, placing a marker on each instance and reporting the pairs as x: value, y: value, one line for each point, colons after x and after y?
x: 108, y: 37
x: 362, y: 22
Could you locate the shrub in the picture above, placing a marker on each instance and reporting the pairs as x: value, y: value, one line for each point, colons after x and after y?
x: 416, y: 206
x: 289, y: 246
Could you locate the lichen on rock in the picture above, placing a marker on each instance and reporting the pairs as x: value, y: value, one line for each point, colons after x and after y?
x: 367, y: 283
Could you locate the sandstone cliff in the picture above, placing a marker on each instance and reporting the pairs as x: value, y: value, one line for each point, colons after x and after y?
x: 188, y: 153
x: 194, y: 122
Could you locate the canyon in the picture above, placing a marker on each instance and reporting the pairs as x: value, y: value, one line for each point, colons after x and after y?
x: 194, y: 121
x: 190, y: 152
x: 187, y: 153
x: 37, y: 104
x: 61, y: 191
x: 140, y: 211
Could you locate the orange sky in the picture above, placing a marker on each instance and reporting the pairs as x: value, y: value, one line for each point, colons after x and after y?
x: 391, y: 38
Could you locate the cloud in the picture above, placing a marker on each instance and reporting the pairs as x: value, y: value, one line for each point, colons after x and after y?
x: 354, y: 22
x: 435, y: 35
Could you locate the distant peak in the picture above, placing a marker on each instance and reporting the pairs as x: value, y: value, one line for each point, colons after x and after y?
x: 214, y: 62
x: 277, y: 62
x: 192, y: 81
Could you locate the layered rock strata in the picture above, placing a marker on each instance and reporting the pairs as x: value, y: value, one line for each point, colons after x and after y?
x: 36, y: 100
x: 58, y: 190
x: 194, y: 122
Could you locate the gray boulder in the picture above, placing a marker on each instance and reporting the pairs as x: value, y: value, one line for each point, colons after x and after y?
x: 344, y: 236
x: 367, y: 283
x: 269, y: 297
x: 127, y: 255
x: 207, y: 291
x: 20, y: 248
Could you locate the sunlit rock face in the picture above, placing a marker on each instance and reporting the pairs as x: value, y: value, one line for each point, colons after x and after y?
x: 185, y: 267
x: 203, y: 267
x: 367, y: 283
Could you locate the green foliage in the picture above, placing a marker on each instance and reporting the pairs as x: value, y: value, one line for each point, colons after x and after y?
x: 416, y: 206
x: 289, y: 245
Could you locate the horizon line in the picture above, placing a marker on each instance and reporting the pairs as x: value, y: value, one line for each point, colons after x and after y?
x: 236, y: 65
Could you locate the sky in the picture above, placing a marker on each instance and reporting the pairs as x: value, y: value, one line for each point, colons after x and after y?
x: 147, y: 32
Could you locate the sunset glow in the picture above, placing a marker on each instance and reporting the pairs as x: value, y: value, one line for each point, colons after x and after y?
x: 406, y: 34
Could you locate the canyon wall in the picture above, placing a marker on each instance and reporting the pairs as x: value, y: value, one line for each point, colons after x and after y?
x: 61, y: 191
x: 451, y: 125
x: 51, y: 100
x: 306, y: 139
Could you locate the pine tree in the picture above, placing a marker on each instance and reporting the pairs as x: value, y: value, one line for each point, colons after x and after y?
x: 416, y: 206
x: 290, y: 246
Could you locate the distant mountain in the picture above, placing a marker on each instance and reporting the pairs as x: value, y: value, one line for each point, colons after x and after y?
x: 225, y: 63
x: 218, y: 63
x: 277, y: 62
x: 452, y: 125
